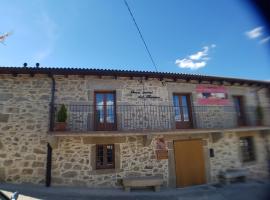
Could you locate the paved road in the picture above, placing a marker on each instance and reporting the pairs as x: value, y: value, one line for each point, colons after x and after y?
x: 237, y: 191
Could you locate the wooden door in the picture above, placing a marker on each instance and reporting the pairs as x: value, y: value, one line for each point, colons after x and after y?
x: 189, y: 163
x: 182, y: 110
x: 239, y: 108
x: 105, y: 111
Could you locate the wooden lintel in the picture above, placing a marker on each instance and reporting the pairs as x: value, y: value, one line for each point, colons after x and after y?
x: 104, y: 140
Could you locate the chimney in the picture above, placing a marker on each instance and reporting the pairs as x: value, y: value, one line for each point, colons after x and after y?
x: 37, y: 65
x: 24, y: 64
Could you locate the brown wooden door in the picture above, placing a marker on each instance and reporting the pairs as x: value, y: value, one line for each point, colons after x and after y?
x: 182, y: 110
x: 105, y: 111
x: 189, y: 163
x: 239, y: 108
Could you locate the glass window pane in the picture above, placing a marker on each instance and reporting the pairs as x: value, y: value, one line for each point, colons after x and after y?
x: 237, y: 106
x: 185, y: 108
x: 177, y: 109
x: 247, y: 149
x: 109, y: 154
x: 100, y: 107
x: 110, y: 108
x: 100, y: 160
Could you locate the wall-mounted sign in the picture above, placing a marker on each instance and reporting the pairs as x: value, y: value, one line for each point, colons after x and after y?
x: 212, y: 95
x: 144, y: 94
x: 161, y: 149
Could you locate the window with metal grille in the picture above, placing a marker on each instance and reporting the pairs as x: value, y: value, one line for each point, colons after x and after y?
x: 247, y: 148
x: 105, y: 156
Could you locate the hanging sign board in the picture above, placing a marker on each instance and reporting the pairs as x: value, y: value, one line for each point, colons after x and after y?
x: 161, y: 149
x: 212, y: 95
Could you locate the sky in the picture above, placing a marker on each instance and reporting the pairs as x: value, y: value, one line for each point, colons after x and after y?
x: 209, y: 37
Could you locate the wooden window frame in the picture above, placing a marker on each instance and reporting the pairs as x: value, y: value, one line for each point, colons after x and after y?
x: 250, y: 149
x: 241, y: 99
x: 95, y: 111
x: 105, y: 158
x: 189, y: 105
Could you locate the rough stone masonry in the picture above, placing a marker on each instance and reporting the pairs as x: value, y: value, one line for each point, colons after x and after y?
x: 24, y: 125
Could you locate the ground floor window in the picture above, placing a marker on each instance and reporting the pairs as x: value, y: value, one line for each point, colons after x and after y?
x: 105, y: 156
x: 247, y: 149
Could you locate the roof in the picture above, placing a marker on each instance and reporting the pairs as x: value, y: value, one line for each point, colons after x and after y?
x: 125, y: 73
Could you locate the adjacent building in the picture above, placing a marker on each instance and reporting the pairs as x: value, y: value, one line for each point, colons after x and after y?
x: 185, y: 128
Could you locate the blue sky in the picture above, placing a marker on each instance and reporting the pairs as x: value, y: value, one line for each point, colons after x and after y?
x: 223, y: 38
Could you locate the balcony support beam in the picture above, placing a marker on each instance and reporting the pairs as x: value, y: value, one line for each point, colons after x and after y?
x: 216, y: 136
x: 147, y: 139
x: 53, y: 141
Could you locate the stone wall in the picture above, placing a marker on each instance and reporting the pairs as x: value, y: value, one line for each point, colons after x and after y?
x: 72, y: 163
x: 24, y: 120
x: 228, y: 155
x: 133, y: 115
x: 24, y: 108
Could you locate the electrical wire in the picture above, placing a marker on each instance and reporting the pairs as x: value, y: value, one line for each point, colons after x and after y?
x: 140, y: 33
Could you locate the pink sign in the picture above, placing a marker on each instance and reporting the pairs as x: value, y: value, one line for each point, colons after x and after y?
x: 212, y: 95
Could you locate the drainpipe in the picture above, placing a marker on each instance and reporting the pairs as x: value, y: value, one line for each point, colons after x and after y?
x: 52, y: 104
x: 51, y: 125
x: 49, y: 165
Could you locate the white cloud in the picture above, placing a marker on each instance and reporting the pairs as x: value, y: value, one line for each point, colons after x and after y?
x: 196, y: 60
x: 255, y: 33
x: 264, y: 40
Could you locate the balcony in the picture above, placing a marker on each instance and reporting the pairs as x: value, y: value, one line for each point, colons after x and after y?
x: 87, y: 119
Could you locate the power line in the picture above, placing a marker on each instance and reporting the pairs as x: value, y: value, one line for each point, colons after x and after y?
x: 133, y: 18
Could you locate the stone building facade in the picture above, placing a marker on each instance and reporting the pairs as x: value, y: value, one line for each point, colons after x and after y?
x: 143, y: 112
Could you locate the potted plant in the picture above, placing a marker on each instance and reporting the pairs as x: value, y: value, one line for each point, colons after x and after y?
x: 259, y: 113
x: 61, y: 124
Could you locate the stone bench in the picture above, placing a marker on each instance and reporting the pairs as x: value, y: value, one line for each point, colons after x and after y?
x: 233, y: 174
x: 151, y: 181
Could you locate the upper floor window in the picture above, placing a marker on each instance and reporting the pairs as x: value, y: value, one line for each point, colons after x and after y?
x: 105, y: 111
x: 247, y: 149
x: 182, y: 110
x: 239, y: 108
x: 105, y: 156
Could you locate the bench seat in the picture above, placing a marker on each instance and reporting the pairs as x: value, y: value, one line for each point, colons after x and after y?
x: 233, y: 174
x: 153, y: 181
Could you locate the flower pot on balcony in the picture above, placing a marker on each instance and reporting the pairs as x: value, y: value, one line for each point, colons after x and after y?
x: 60, y: 126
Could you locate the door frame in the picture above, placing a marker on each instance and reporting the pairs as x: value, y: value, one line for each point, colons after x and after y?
x: 95, y: 111
x: 189, y: 105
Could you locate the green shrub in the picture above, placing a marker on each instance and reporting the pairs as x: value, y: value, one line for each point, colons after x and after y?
x: 62, y: 114
x: 259, y: 112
